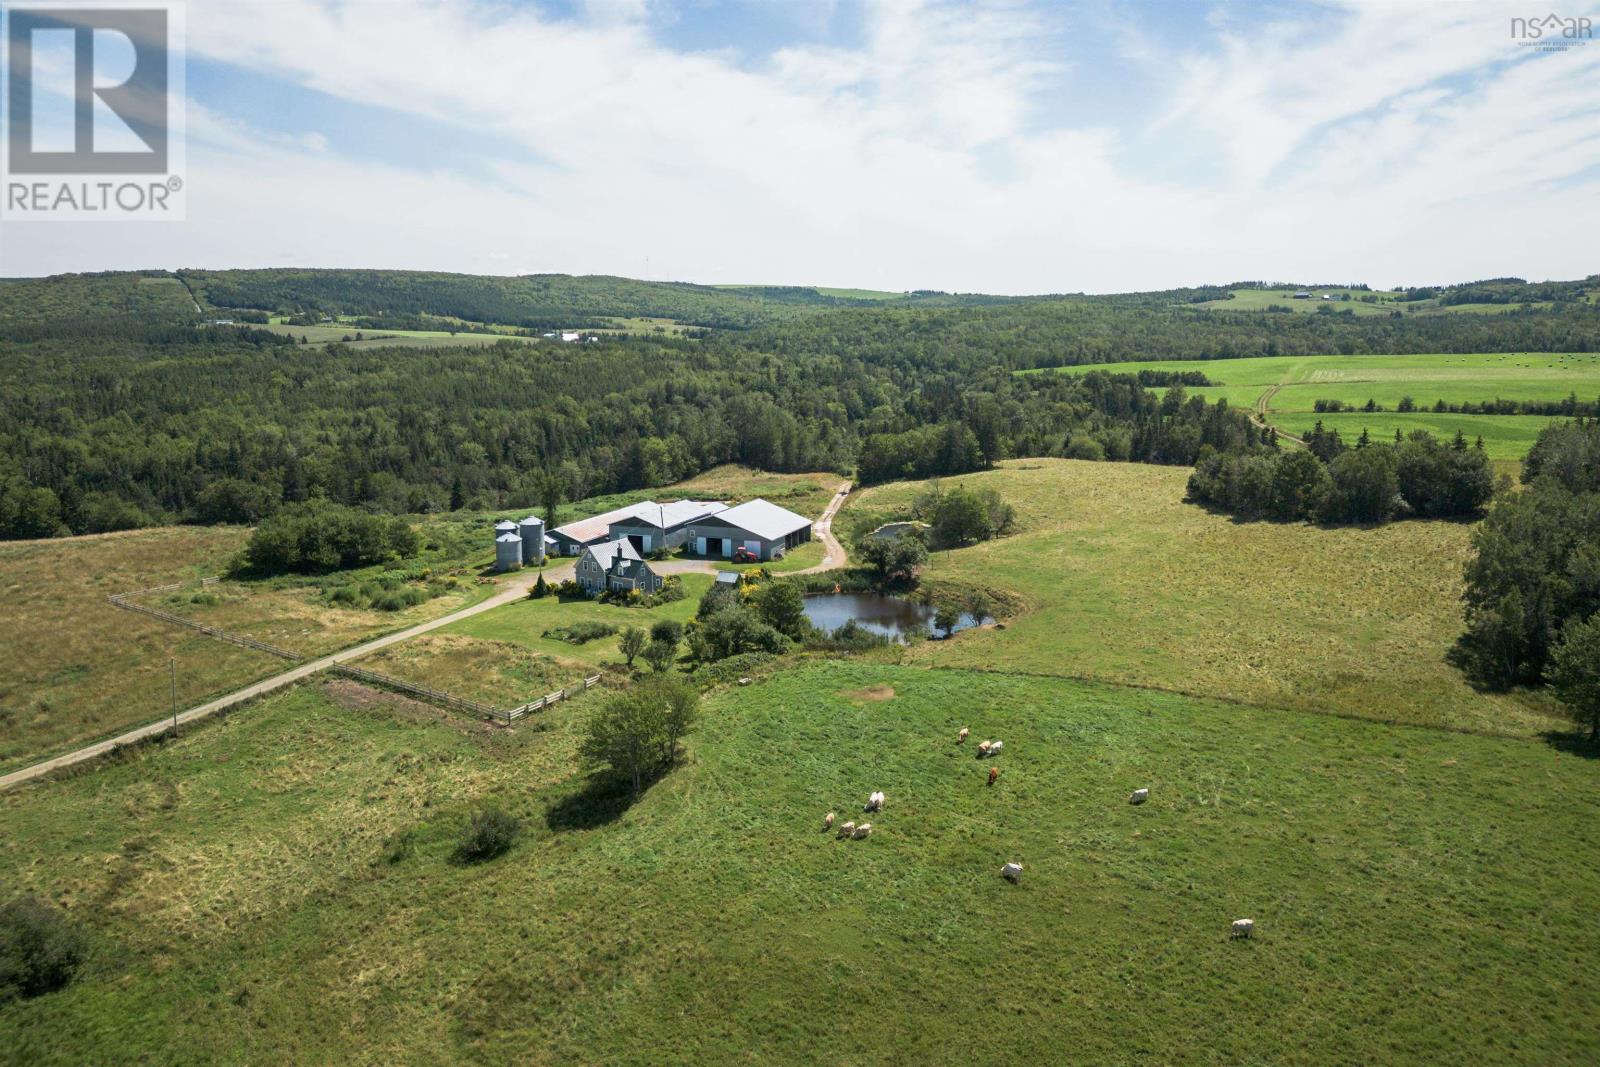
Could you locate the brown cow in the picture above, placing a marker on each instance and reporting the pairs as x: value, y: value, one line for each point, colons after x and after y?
x: 994, y: 772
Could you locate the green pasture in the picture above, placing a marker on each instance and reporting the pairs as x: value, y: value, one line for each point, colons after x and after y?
x: 1301, y: 381
x: 277, y: 887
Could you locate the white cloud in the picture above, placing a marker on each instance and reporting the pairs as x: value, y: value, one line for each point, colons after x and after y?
x: 1359, y: 141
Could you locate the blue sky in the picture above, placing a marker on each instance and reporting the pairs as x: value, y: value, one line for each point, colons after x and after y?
x: 1005, y: 146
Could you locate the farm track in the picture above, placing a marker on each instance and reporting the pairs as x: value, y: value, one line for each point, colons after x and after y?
x: 516, y: 590
x: 1258, y: 415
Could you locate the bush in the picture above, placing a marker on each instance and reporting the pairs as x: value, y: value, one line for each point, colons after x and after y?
x: 731, y: 632
x: 488, y: 833
x: 40, y: 949
x: 540, y: 589
x: 581, y: 633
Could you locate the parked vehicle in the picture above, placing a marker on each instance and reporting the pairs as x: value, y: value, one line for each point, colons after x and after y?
x: 744, y: 555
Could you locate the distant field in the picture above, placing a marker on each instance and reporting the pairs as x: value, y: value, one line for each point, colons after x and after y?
x: 387, y: 338
x: 1126, y: 583
x: 1386, y: 380
x: 1386, y: 302
x: 276, y: 887
x: 501, y: 674
x: 1261, y: 299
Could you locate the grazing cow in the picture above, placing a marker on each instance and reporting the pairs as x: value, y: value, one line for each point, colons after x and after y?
x: 874, y: 802
x: 827, y: 823
x: 994, y: 772
x: 983, y: 748
x: 995, y: 748
x: 863, y: 830
x: 962, y: 736
x: 1012, y: 872
x: 847, y: 829
x: 1139, y: 796
x: 1243, y: 928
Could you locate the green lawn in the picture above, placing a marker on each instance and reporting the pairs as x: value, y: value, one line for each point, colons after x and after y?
x: 1420, y: 896
x: 524, y: 622
x: 1386, y: 380
x: 1122, y: 581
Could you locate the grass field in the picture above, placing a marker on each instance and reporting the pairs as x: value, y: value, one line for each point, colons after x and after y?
x: 1387, y: 303
x: 277, y: 887
x: 523, y: 624
x: 1262, y: 299
x: 1124, y: 582
x: 386, y: 338
x: 77, y: 669
x: 501, y: 674
x: 1300, y: 381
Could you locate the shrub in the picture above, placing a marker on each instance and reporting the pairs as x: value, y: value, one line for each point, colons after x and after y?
x: 668, y: 630
x: 732, y: 668
x: 633, y: 642
x: 581, y: 633
x: 40, y: 949
x: 540, y: 589
x: 488, y: 833
x: 781, y: 607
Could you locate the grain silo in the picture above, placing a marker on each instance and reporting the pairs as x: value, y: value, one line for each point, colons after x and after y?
x: 507, y: 552
x: 532, y: 531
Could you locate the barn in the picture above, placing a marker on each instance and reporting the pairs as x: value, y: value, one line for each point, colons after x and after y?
x: 761, y: 526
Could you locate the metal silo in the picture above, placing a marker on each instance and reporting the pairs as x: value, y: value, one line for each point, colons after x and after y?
x: 532, y: 531
x: 507, y: 552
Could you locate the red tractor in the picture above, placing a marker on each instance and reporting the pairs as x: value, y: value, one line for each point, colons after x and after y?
x: 744, y: 555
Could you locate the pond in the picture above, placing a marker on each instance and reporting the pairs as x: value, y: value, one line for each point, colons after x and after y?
x: 892, y: 616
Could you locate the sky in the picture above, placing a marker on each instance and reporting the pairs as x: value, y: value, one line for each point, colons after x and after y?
x: 1006, y: 147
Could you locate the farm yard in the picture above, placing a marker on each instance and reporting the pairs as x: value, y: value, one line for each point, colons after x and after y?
x: 1289, y: 387
x: 278, y: 886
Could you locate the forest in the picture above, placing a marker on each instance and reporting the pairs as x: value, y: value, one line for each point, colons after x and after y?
x: 120, y: 407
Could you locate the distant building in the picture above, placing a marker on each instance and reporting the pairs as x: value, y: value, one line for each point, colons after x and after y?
x: 1302, y: 295
x: 615, y: 565
x: 570, y: 335
x: 572, y: 538
x: 762, y: 527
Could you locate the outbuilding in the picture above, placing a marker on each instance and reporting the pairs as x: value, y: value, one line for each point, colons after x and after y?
x: 766, y: 530
x: 656, y: 526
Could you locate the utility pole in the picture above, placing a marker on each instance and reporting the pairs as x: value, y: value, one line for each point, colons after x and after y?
x: 174, y: 697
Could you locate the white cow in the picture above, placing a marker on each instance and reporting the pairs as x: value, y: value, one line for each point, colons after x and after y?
x: 827, y: 823
x: 1012, y: 872
x: 847, y: 829
x: 863, y: 830
x: 1243, y: 928
x: 1139, y: 796
x: 874, y: 802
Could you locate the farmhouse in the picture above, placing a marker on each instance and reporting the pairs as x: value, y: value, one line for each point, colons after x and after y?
x: 663, y: 525
x: 762, y: 527
x: 615, y: 565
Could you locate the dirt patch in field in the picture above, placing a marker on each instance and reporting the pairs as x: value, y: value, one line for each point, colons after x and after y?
x: 354, y: 696
x: 871, y: 692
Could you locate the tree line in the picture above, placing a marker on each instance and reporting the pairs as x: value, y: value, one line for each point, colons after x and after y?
x: 1415, y: 476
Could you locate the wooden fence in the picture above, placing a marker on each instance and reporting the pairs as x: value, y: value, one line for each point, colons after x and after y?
x: 447, y: 700
x: 122, y: 601
x: 509, y: 717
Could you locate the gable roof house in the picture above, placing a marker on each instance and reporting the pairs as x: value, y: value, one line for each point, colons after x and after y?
x: 761, y: 526
x: 615, y: 565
